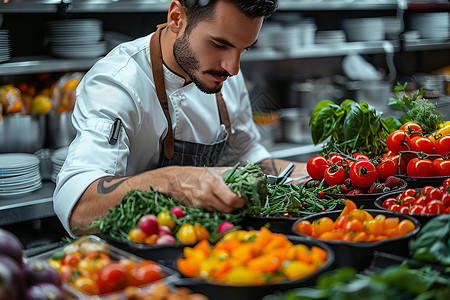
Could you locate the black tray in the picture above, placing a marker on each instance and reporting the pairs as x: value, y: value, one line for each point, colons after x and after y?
x: 359, y: 254
x: 218, y: 291
x: 419, y: 182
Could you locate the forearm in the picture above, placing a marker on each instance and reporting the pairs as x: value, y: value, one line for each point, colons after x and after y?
x: 189, y: 185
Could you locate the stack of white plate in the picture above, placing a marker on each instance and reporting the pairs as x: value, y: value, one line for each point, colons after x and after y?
x: 77, y: 38
x: 364, y: 29
x: 433, y: 26
x: 58, y: 158
x: 330, y: 37
x: 5, y: 48
x: 19, y: 174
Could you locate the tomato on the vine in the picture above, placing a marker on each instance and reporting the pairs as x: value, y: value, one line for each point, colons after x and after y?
x: 441, y: 167
x: 316, y: 166
x: 422, y: 144
x: 360, y: 156
x: 442, y: 145
x: 363, y: 173
x: 398, y: 140
x: 420, y: 168
x: 334, y: 175
x: 400, y: 165
x: 335, y: 158
x: 387, y: 167
x: 412, y: 128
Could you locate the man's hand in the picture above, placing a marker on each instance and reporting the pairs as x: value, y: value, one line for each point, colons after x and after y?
x: 205, y: 188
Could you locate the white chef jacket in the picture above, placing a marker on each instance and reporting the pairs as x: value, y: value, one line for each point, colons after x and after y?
x: 120, y: 85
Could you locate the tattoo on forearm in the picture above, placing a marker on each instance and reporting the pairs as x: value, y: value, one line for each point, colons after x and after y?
x: 102, y: 189
x: 268, y: 167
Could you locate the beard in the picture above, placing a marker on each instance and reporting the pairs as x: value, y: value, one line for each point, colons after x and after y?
x: 189, y: 63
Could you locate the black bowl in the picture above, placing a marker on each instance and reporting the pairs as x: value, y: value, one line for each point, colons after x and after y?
x: 419, y: 182
x: 423, y: 219
x: 220, y: 291
x: 359, y: 254
x: 366, y: 200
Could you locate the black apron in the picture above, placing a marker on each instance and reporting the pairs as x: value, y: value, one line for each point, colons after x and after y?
x: 184, y: 153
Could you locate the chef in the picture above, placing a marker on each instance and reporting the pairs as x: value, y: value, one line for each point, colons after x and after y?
x: 167, y: 111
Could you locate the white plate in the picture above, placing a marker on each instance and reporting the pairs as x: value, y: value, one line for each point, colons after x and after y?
x: 22, y: 191
x: 17, y: 160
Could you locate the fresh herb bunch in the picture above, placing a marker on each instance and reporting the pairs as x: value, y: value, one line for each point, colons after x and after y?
x: 249, y: 182
x: 416, y: 110
x: 136, y: 203
x: 351, y: 126
x: 292, y: 199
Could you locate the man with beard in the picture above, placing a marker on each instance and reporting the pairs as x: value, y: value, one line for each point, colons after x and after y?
x: 168, y: 111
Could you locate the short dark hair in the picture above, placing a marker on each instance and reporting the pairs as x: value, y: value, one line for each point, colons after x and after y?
x: 203, y: 10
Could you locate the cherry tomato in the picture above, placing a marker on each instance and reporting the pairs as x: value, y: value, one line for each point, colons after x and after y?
x: 446, y: 199
x: 316, y: 166
x: 388, y: 202
x: 86, y: 285
x: 434, y: 194
x: 286, y: 214
x: 408, y: 192
x: 186, y: 234
x: 422, y: 201
x: 395, y: 207
x: 334, y: 175
x: 165, y: 218
x: 424, y: 190
x: 363, y: 173
x: 408, y: 200
x: 441, y: 167
x: 404, y: 209
x: 387, y: 167
x: 72, y: 259
x: 446, y: 183
x: 422, y: 144
x: 112, y: 277
x: 398, y: 140
x: 412, y: 128
x: 416, y: 209
x: 177, y: 211
x: 146, y: 273
x: 435, y: 207
x: 336, y: 158
x: 420, y: 168
x: 442, y: 145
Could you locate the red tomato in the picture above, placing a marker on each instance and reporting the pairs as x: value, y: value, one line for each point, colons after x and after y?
x: 360, y: 156
x: 388, y: 202
x: 404, y: 209
x: 112, y: 277
x: 441, y: 167
x: 442, y: 145
x: 435, y: 207
x: 398, y: 140
x: 446, y: 199
x: 424, y: 190
x: 434, y: 194
x: 334, y: 175
x: 416, y: 209
x: 408, y: 200
x: 421, y: 201
x: 400, y: 168
x: 408, y: 192
x: 420, y: 168
x: 446, y: 183
x: 335, y: 158
x: 363, y: 173
x: 316, y: 166
x: 395, y: 207
x: 387, y: 167
x: 412, y: 128
x: 146, y: 273
x: 422, y: 144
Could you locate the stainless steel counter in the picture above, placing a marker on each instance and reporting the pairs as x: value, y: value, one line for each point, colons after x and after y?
x: 31, y: 206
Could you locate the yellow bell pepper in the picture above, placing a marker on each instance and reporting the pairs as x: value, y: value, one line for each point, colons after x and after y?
x: 440, y: 132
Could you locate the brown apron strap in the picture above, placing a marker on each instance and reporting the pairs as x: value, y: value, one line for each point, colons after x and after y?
x: 158, y: 78
x: 224, y: 117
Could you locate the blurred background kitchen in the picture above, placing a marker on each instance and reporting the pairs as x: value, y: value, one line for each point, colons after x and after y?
x: 308, y: 51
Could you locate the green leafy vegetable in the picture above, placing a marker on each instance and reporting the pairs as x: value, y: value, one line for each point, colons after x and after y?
x: 351, y: 126
x: 416, y: 109
x: 136, y: 203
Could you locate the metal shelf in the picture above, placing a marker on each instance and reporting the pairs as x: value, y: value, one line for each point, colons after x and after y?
x: 30, y: 206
